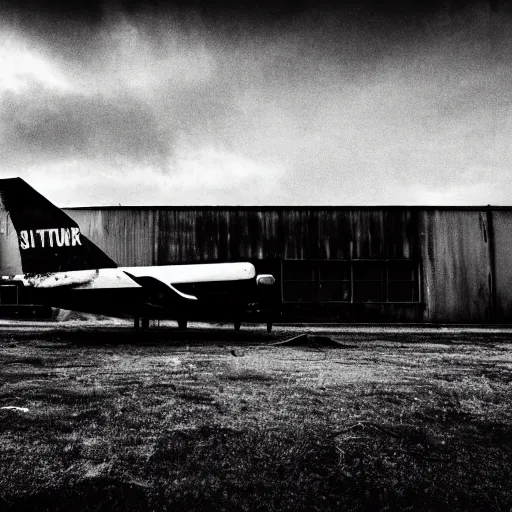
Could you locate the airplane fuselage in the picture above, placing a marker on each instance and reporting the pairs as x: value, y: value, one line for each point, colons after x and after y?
x: 199, y: 290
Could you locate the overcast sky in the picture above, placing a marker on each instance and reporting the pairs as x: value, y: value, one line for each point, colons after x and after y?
x: 331, y: 106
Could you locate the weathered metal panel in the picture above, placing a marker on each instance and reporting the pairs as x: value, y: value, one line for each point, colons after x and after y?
x: 382, y: 234
x: 177, y: 238
x: 208, y: 235
x: 272, y: 234
x: 502, y: 242
x: 240, y: 243
x: 232, y: 235
x: 456, y: 266
x: 126, y: 235
x: 335, y: 235
x: 217, y: 235
x: 10, y: 259
x: 367, y: 234
x: 299, y: 235
x: 165, y: 235
x: 401, y: 233
x: 92, y: 226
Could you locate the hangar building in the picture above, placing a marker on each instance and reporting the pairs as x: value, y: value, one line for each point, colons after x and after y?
x: 340, y: 264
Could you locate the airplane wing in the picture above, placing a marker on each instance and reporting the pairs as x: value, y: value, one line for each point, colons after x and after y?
x: 161, y: 280
x: 158, y: 286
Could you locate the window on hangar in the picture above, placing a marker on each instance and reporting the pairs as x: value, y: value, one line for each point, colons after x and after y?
x: 350, y: 281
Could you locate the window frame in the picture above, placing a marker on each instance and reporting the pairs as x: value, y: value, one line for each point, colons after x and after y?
x: 385, y: 281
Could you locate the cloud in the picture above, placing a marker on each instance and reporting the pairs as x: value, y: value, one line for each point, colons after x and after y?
x: 45, y: 126
x: 143, y: 59
x: 21, y: 67
x: 318, y: 109
x: 206, y: 176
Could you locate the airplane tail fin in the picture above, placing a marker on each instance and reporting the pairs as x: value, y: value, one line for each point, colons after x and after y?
x: 39, y: 237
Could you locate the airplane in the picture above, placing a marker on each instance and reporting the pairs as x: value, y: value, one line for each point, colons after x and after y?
x: 44, y: 253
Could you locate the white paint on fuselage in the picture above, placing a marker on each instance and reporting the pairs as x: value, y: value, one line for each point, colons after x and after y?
x: 108, y: 278
x: 199, y: 273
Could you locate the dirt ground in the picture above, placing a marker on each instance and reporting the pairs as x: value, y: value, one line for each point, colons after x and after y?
x: 97, y: 417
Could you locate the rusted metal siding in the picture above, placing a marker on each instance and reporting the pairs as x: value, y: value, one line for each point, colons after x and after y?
x: 10, y: 259
x: 383, y: 234
x: 456, y: 266
x: 165, y: 236
x: 502, y: 244
x: 217, y: 235
x: 177, y: 239
x: 232, y: 235
x: 350, y: 234
x: 127, y: 236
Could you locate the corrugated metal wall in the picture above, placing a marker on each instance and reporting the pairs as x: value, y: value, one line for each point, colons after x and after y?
x: 127, y: 236
x: 457, y: 276
x: 10, y: 259
x: 502, y: 252
x: 165, y: 236
x: 464, y: 254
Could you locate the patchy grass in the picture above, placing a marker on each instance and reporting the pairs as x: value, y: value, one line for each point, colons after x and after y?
x: 407, y: 421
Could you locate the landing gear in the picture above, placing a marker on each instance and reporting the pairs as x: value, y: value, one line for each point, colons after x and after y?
x: 237, y: 325
x: 140, y: 323
x: 182, y: 323
x: 269, y: 327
